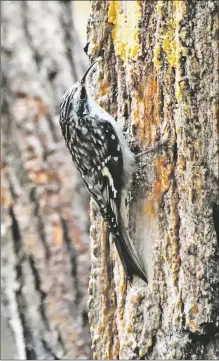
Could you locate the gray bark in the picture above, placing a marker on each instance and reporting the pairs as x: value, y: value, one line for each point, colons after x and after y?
x: 45, y: 243
x: 169, y: 91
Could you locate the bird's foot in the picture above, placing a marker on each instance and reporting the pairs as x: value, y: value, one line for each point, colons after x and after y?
x: 152, y: 149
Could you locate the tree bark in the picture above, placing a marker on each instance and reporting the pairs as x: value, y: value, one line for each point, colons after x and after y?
x: 45, y: 243
x: 159, y: 79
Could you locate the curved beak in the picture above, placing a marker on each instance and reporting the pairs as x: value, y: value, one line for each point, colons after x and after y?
x: 88, y: 70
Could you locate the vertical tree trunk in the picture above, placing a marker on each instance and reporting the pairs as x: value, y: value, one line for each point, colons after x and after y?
x: 159, y: 78
x: 45, y: 244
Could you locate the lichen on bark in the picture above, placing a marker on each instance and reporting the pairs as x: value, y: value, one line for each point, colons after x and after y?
x: 168, y: 90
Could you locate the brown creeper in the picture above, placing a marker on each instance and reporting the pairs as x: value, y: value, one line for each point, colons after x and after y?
x: 102, y: 156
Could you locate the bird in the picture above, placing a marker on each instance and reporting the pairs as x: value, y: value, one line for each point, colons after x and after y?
x: 106, y: 164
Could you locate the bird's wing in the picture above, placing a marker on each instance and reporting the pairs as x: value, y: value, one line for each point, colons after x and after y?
x: 104, y: 182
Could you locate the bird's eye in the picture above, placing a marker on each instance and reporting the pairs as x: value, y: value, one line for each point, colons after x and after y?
x: 83, y: 93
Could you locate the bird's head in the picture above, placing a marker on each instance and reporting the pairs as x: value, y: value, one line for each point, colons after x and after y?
x: 75, y: 99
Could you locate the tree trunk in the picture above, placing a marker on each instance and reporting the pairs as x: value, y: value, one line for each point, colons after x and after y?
x: 159, y: 79
x: 45, y: 243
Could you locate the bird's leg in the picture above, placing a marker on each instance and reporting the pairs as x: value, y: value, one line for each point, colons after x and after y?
x: 152, y: 149
x: 129, y: 230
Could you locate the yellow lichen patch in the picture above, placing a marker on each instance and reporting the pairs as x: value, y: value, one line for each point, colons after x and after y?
x: 157, y: 47
x: 125, y: 32
x: 160, y: 5
x: 180, y: 10
x: 156, y: 58
x: 180, y: 87
x: 184, y: 51
x: 171, y: 43
x: 169, y: 46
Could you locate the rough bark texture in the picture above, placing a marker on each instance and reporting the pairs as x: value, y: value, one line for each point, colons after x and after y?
x: 45, y: 243
x: 159, y: 78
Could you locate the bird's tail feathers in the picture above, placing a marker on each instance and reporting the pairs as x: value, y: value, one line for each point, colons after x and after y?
x: 128, y: 254
x: 126, y: 250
